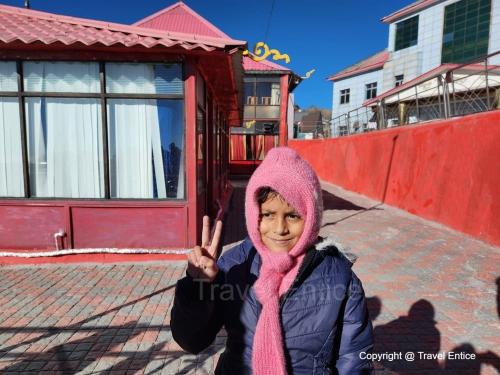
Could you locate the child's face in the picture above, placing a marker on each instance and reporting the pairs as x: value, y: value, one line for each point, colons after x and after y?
x: 280, y: 224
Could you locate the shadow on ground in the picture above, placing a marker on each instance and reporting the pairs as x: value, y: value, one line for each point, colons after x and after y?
x: 85, y: 348
x: 417, y: 332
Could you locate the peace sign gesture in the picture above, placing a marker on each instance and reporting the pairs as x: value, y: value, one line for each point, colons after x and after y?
x: 202, y: 260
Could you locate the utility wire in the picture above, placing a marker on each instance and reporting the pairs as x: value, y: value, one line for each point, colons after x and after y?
x: 269, y: 21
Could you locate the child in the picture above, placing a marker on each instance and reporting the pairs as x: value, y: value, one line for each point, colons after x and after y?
x: 288, y: 299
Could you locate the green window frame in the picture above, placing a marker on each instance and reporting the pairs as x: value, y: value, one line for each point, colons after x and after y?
x: 466, y: 31
x: 406, y: 33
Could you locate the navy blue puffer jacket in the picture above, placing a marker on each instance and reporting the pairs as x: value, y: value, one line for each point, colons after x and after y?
x: 324, y: 317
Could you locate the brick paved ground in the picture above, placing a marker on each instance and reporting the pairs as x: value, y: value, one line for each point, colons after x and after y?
x: 430, y: 289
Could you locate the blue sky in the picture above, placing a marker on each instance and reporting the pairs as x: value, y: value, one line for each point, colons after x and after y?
x: 326, y: 35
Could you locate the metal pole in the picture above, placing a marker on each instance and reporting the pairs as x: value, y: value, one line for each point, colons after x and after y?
x: 416, y: 104
x: 439, y: 96
x: 446, y: 97
x: 486, y: 83
x: 382, y: 114
x: 454, y: 94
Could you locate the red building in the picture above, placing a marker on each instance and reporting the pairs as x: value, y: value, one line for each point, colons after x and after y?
x: 268, y: 114
x: 111, y: 135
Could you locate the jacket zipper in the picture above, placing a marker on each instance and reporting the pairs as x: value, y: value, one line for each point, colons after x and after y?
x: 303, y: 267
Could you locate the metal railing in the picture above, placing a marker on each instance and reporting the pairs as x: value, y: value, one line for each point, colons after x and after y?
x: 447, y: 91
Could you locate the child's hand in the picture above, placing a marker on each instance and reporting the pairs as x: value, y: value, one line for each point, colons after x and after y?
x: 202, y: 261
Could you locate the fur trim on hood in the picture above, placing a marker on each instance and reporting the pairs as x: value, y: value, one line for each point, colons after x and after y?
x: 332, y: 241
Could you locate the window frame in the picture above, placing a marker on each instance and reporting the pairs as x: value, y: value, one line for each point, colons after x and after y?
x: 403, y: 33
x: 399, y: 79
x: 255, y: 103
x: 371, y: 90
x: 344, y: 96
x: 458, y: 44
x: 103, y: 97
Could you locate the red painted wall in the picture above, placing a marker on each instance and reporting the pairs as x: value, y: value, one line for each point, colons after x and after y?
x: 130, y: 227
x: 32, y: 227
x: 447, y: 171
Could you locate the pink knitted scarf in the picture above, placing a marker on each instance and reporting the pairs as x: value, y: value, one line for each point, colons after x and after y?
x: 286, y: 172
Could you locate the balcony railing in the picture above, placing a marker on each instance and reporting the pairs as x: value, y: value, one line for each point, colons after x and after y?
x: 447, y: 91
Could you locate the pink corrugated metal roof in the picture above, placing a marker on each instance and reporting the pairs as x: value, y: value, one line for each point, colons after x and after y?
x: 181, y: 18
x: 265, y: 65
x: 439, y: 70
x: 423, y: 77
x: 373, y: 62
x: 412, y: 8
x: 30, y: 26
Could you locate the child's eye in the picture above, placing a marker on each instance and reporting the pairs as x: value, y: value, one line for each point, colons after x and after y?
x: 266, y: 215
x: 294, y: 216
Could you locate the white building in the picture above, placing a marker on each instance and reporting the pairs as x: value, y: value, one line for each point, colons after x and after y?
x: 422, y: 36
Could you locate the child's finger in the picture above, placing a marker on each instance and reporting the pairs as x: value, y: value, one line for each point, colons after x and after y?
x: 190, y: 258
x: 197, y: 254
x: 205, y: 234
x: 214, y: 246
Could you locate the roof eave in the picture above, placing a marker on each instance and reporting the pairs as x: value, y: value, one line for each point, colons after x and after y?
x: 340, y: 77
x: 408, y: 10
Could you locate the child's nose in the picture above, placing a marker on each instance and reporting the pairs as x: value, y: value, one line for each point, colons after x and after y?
x: 281, y: 226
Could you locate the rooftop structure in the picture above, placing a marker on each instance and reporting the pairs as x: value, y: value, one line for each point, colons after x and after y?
x: 110, y: 129
x: 423, y: 36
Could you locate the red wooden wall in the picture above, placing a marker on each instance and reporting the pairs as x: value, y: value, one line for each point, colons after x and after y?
x: 447, y: 171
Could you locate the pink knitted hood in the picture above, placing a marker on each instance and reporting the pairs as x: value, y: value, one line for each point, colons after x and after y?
x: 284, y: 171
x: 292, y: 177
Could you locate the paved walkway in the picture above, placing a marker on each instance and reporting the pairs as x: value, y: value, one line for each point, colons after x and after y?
x: 430, y: 290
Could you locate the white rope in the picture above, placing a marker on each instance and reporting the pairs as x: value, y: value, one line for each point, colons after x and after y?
x: 55, y: 253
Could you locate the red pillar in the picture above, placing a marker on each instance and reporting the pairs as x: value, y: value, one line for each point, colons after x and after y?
x: 283, y: 110
x: 192, y: 230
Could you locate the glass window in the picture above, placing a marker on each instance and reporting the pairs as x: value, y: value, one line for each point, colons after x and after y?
x: 466, y: 31
x: 64, y: 139
x: 250, y: 98
x: 371, y: 90
x: 11, y: 162
x: 64, y: 135
x: 398, y: 80
x: 44, y: 76
x: 200, y: 150
x: 406, y: 33
x: 345, y: 96
x: 267, y: 93
x: 8, y: 76
x: 126, y: 78
x: 262, y: 91
x: 146, y: 143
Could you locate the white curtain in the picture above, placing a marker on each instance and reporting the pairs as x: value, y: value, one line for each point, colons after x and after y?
x: 11, y: 162
x: 8, y: 76
x: 11, y: 165
x: 275, y: 94
x: 136, y: 156
x: 135, y: 149
x: 64, y: 135
x: 65, y: 147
